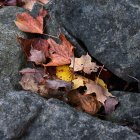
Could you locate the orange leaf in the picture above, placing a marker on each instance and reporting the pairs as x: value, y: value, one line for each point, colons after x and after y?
x: 60, y: 54
x: 27, y: 23
x: 87, y: 103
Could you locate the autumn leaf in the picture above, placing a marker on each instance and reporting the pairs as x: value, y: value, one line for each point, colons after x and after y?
x: 87, y: 103
x: 37, y: 56
x: 101, y: 93
x: 60, y: 54
x: 92, y: 87
x: 78, y: 81
x: 31, y: 78
x: 64, y: 73
x: 56, y: 84
x: 110, y: 104
x: 101, y: 82
x: 11, y: 3
x: 27, y: 23
x: 84, y: 64
x: 36, y: 43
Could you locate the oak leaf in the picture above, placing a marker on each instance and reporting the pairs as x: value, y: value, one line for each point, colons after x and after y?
x: 60, y: 54
x: 84, y: 64
x: 26, y: 23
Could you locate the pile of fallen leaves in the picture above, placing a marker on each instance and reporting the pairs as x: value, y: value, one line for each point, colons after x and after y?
x: 55, y: 70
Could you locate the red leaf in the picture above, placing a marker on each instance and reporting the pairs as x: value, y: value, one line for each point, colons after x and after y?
x: 27, y: 23
x: 36, y: 43
x: 60, y: 54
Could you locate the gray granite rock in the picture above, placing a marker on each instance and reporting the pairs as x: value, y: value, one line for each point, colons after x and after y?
x: 11, y: 56
x: 128, y: 112
x: 27, y: 116
x: 108, y: 29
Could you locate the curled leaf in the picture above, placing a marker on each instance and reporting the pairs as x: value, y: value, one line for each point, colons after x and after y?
x: 110, y: 104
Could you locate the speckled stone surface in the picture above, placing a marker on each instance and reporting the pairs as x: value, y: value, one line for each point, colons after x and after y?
x: 128, y: 110
x: 108, y: 29
x: 11, y: 56
x: 27, y: 116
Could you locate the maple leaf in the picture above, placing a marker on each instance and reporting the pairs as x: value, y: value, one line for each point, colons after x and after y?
x: 92, y: 87
x: 84, y: 64
x: 27, y: 23
x: 36, y: 43
x: 101, y: 93
x: 60, y: 54
x: 37, y: 56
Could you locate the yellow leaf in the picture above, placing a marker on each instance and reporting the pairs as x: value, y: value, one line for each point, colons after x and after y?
x: 78, y: 81
x: 101, y: 82
x: 64, y: 73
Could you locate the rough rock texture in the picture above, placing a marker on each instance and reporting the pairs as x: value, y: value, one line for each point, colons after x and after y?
x: 128, y: 112
x: 108, y: 29
x: 29, y: 117
x: 11, y: 57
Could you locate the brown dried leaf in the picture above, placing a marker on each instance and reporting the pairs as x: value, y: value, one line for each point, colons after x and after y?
x: 30, y: 79
x: 27, y: 23
x: 36, y: 43
x: 84, y: 64
x: 87, y: 103
x: 101, y: 93
x: 110, y: 104
x: 56, y: 84
x: 37, y: 56
x: 60, y: 54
